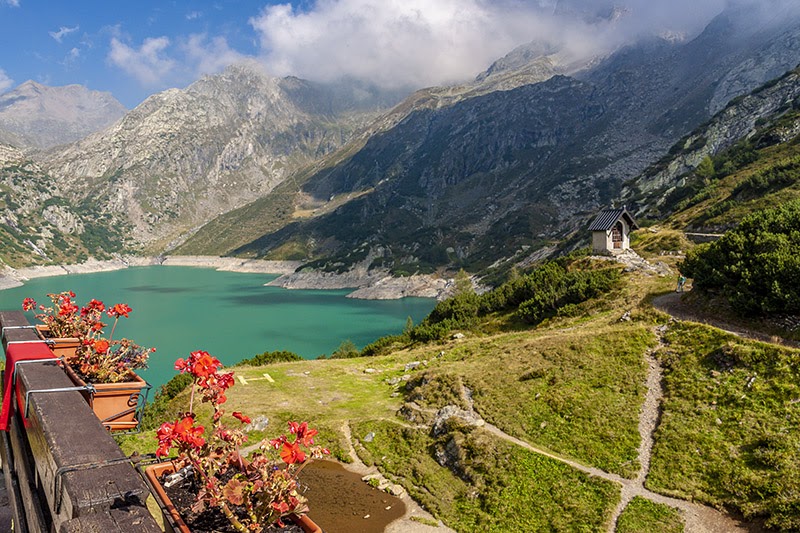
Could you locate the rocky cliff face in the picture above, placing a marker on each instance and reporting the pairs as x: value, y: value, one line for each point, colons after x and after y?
x: 185, y: 156
x: 37, y: 116
x: 737, y: 121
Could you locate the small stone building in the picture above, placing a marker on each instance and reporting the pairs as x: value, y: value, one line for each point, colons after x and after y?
x: 611, y: 231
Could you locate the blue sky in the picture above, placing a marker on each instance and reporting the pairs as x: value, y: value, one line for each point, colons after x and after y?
x: 134, y: 48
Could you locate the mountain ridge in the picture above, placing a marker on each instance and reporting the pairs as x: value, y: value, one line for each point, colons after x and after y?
x: 35, y: 116
x: 643, y: 98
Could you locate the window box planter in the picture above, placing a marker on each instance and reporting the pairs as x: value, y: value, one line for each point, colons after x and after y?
x: 172, y: 518
x: 64, y: 347
x: 117, y: 405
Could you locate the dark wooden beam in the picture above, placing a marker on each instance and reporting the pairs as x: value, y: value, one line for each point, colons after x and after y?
x: 82, y: 474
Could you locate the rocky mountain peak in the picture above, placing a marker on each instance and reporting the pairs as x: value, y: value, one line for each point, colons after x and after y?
x: 38, y: 116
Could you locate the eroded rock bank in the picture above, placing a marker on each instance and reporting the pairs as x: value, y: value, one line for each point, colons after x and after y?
x: 369, y: 285
x: 10, y: 277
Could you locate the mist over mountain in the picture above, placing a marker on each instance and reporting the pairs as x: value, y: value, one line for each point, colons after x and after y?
x: 460, y: 175
x: 468, y: 177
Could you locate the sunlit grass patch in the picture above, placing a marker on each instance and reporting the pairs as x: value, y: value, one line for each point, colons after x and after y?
x: 645, y: 516
x: 575, y: 392
x: 499, y: 486
x: 730, y: 429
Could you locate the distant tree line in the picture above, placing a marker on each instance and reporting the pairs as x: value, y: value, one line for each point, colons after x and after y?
x: 755, y: 266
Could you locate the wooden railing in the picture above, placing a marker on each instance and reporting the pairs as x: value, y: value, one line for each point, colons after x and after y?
x: 63, y: 472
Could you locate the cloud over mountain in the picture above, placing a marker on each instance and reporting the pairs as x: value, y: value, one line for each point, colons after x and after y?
x: 5, y: 81
x: 417, y: 42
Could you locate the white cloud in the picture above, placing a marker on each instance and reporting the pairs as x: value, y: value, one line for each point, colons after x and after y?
x: 71, y: 58
x: 192, y: 15
x: 5, y: 82
x: 59, y: 35
x: 420, y: 42
x: 158, y: 63
x: 391, y: 42
x: 149, y: 64
x: 206, y: 56
x: 12, y: 3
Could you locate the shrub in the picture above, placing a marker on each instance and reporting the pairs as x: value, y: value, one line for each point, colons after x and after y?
x: 346, y: 350
x: 533, y: 296
x: 756, y: 266
x: 268, y: 358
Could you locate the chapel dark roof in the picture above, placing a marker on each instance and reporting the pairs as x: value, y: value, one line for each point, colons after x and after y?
x: 608, y: 217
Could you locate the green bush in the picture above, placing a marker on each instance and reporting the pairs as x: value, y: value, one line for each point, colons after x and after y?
x: 346, y: 350
x: 533, y: 297
x: 777, y: 177
x: 756, y: 266
x: 384, y: 344
x: 268, y: 358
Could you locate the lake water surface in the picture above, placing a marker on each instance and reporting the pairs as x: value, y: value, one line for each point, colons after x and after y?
x: 229, y: 314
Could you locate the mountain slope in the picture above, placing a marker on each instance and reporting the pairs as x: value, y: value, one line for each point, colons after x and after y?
x: 743, y: 160
x: 39, y: 225
x: 185, y: 156
x: 37, y: 116
x: 484, y: 177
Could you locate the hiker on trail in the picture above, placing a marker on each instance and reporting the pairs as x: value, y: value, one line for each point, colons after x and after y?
x: 681, y: 282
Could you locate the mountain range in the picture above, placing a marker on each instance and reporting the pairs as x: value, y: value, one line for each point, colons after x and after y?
x: 476, y: 175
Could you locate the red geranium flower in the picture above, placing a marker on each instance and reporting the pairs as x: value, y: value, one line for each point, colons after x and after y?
x: 100, y: 346
x: 291, y: 453
x: 244, y: 419
x: 119, y: 310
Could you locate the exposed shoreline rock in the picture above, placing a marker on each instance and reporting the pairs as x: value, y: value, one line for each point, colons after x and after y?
x: 10, y: 277
x: 368, y: 285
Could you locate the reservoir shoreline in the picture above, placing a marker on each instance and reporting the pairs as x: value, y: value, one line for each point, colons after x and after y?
x: 367, y: 285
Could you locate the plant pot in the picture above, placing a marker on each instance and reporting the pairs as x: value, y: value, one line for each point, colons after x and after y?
x: 172, y: 518
x: 115, y: 404
x: 64, y: 347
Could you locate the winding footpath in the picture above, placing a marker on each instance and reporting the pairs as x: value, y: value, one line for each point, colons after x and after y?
x: 697, y: 518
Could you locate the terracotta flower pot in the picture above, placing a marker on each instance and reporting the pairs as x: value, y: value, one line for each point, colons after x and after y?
x: 172, y: 518
x: 115, y: 404
x: 61, y: 346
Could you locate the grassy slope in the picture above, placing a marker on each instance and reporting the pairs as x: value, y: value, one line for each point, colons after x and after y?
x: 573, y: 385
x: 729, y: 430
x: 756, y: 173
x: 587, y: 372
x: 503, y: 487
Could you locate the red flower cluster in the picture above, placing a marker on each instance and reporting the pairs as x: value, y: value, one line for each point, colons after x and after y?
x: 290, y: 450
x: 262, y: 489
x: 97, y: 360
x: 65, y: 318
x: 182, y: 433
x: 204, y: 367
x: 118, y: 310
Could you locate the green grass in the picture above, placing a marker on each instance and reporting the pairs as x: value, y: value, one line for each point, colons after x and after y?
x: 576, y: 392
x: 730, y: 428
x: 644, y: 516
x: 502, y: 487
x: 573, y: 385
x: 423, y: 520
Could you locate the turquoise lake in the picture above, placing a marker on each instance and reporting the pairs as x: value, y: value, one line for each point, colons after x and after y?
x: 231, y: 315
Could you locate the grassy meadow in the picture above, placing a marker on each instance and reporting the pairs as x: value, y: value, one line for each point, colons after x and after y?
x: 573, y: 385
